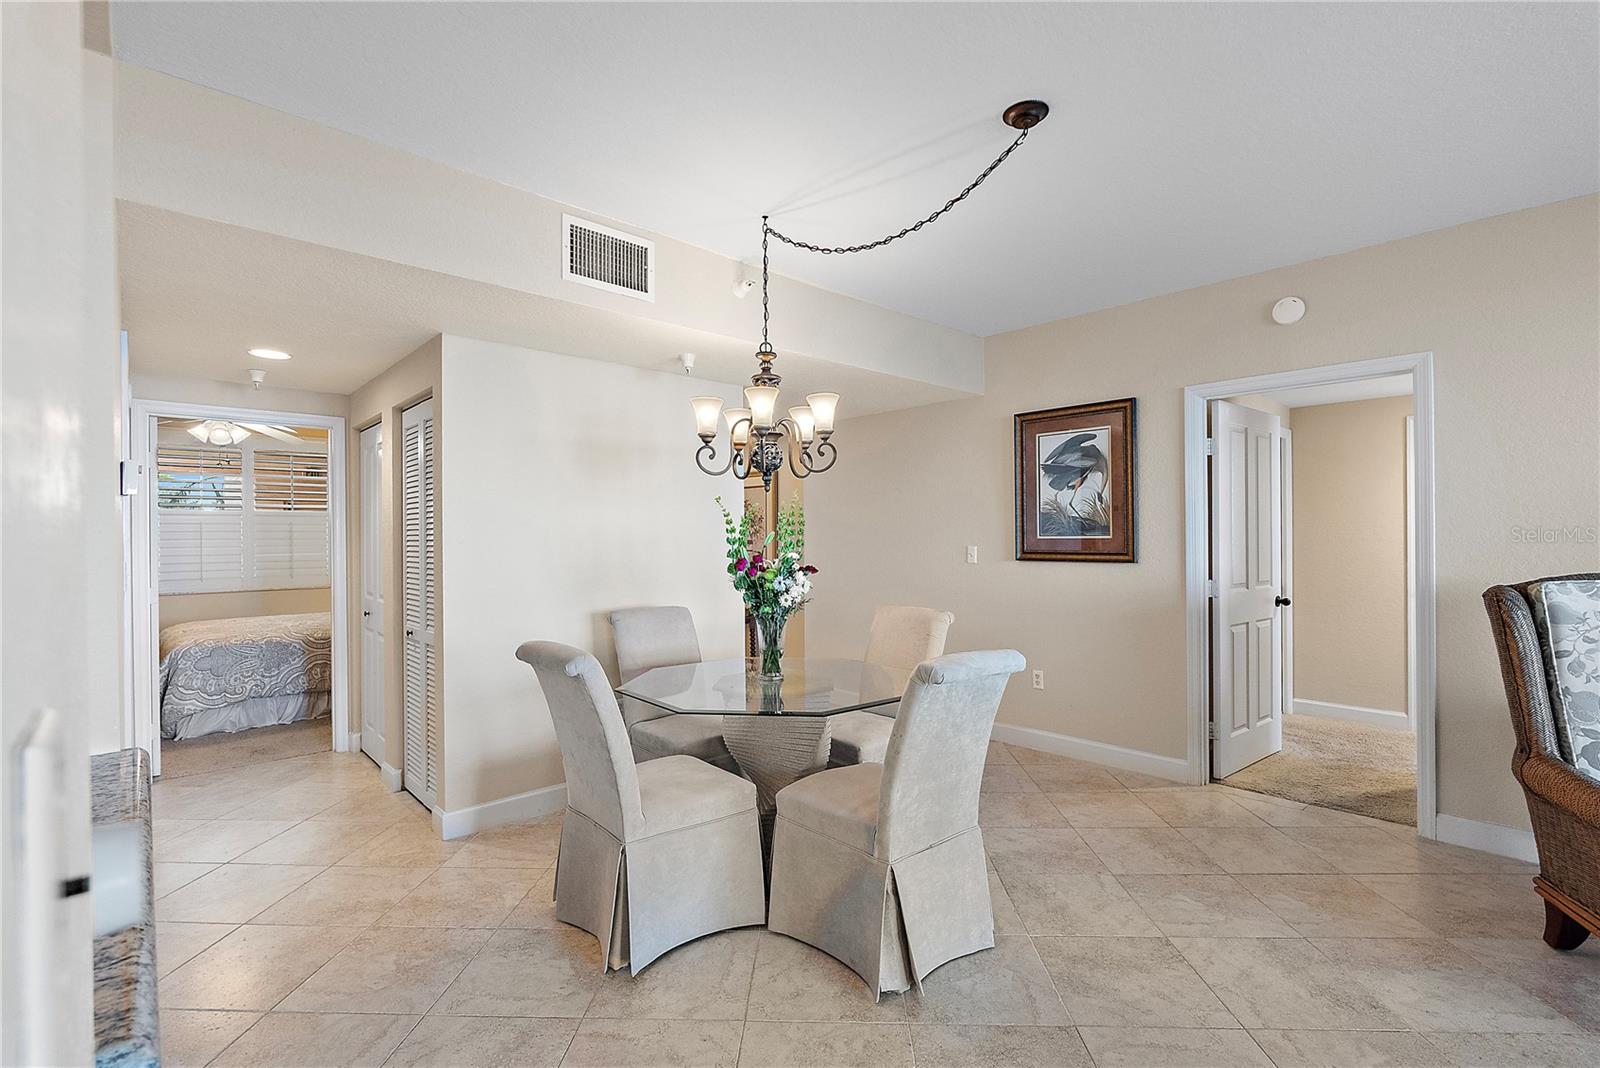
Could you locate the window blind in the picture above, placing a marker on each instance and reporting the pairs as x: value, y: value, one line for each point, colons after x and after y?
x: 241, y: 519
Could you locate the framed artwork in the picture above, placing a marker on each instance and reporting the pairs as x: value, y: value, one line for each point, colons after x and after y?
x: 1075, y: 477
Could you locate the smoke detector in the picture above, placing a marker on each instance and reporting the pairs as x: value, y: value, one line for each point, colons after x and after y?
x: 1288, y: 311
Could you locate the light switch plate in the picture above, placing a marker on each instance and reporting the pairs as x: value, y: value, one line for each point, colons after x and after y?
x: 972, y: 554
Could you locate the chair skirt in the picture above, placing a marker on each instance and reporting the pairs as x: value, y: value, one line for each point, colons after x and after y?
x: 645, y: 897
x: 890, y: 923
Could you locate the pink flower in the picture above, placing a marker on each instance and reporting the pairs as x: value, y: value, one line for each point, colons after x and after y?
x: 741, y: 564
x: 808, y: 569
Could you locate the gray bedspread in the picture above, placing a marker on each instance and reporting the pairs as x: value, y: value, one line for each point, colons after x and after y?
x: 214, y: 663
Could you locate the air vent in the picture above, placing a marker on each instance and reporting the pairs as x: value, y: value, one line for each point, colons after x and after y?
x: 598, y: 256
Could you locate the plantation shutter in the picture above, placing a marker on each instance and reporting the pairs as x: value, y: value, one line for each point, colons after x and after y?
x: 200, y: 525
x: 420, y: 611
x: 290, y: 504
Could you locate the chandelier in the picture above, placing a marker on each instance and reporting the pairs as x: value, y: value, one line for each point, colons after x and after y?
x: 757, y: 439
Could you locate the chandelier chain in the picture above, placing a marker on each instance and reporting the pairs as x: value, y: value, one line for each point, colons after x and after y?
x: 766, y: 311
x: 840, y: 250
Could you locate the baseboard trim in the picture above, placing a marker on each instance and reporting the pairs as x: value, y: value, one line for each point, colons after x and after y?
x: 518, y: 808
x: 1114, y: 756
x: 390, y: 776
x: 1373, y: 717
x: 1488, y: 837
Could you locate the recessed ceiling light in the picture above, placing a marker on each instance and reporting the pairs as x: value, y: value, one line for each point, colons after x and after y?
x: 269, y: 354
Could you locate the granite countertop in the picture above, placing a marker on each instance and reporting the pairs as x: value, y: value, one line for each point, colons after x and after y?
x: 125, y: 1008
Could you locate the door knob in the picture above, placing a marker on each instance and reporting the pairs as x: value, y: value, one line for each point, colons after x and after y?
x: 365, y: 612
x: 410, y: 633
x: 1281, y: 602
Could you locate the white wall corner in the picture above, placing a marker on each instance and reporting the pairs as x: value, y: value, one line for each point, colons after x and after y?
x: 1112, y: 756
x: 518, y: 808
x: 1486, y: 837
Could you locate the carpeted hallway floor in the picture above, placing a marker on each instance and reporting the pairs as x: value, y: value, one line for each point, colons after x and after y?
x: 216, y: 752
x: 1334, y: 764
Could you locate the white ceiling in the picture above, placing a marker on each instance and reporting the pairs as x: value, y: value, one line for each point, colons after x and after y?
x: 1342, y: 392
x: 196, y: 294
x: 1187, y: 143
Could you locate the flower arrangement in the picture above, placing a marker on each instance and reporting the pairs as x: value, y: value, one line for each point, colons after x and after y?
x: 773, y: 587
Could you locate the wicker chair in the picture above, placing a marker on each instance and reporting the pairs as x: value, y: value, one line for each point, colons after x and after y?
x: 1563, y: 802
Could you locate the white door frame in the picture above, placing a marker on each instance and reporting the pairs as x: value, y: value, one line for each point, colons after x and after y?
x: 144, y: 725
x: 1197, y: 540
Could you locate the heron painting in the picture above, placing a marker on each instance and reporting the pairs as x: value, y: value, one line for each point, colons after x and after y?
x: 1073, y: 492
x: 1075, y: 483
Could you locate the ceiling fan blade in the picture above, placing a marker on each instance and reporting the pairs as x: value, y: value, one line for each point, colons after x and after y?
x: 271, y: 432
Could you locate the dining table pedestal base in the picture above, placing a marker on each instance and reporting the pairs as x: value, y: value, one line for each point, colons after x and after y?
x: 774, y: 751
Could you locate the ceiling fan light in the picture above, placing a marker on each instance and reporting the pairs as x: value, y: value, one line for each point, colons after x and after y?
x: 268, y: 354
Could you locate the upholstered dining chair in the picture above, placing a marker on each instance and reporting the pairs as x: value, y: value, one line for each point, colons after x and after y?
x: 655, y: 637
x: 900, y: 639
x: 1548, y: 635
x: 881, y: 865
x: 652, y: 855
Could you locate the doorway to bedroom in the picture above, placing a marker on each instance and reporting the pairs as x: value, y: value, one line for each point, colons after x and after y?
x: 239, y: 624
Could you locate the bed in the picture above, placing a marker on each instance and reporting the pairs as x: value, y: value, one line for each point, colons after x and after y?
x: 235, y: 674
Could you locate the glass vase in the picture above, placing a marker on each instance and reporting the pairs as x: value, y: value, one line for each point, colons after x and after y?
x: 770, y: 629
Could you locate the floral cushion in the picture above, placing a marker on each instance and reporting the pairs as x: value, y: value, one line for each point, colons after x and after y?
x: 1568, y: 616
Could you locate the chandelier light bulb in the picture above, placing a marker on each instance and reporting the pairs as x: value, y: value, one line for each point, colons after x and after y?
x: 706, y: 411
x: 805, y: 424
x: 823, y: 406
x: 763, y: 401
x: 738, y: 425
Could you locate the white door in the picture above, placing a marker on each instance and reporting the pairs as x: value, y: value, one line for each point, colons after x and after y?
x: 420, y: 593
x: 1246, y: 564
x: 372, y: 571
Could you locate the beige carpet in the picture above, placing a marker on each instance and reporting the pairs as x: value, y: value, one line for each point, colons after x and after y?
x: 215, y: 752
x: 1347, y: 766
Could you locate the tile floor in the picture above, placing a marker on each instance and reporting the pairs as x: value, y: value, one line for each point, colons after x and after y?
x: 308, y: 917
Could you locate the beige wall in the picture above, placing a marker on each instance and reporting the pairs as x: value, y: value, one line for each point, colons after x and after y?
x: 1510, y: 307
x: 1350, y: 553
x: 413, y: 379
x: 572, y: 491
x: 188, y: 607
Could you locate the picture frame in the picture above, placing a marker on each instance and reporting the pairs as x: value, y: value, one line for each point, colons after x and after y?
x: 1075, y: 482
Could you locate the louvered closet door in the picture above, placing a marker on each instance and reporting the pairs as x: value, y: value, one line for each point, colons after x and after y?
x: 421, y: 605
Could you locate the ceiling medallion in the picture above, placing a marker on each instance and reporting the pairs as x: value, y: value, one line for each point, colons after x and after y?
x: 759, y: 441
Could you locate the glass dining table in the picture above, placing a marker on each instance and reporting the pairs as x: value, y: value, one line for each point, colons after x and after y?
x: 779, y: 731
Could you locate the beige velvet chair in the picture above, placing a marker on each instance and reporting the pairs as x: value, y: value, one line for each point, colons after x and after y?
x: 901, y: 638
x: 881, y: 865
x: 652, y: 855
x: 662, y: 637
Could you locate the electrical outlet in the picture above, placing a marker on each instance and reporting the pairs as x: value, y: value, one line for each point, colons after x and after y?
x: 1038, y: 680
x: 972, y: 554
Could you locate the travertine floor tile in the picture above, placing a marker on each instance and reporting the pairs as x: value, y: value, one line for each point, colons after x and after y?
x: 1129, y: 982
x: 529, y: 845
x: 1007, y: 779
x: 1004, y: 985
x: 836, y: 1045
x: 298, y: 801
x: 999, y: 754
x: 1197, y: 806
x: 1105, y: 808
x: 1203, y: 906
x: 396, y: 807
x: 388, y: 969
x: 1254, y: 850
x: 461, y: 897
x: 538, y: 906
x: 655, y: 1044
x: 1331, y: 906
x: 485, y: 1042
x: 349, y: 897
x: 527, y: 973
x: 1519, y: 1051
x: 1341, y: 1049
x: 1042, y: 851
x: 1146, y: 851
x: 232, y: 893
x: 218, y: 841
x: 168, y: 877
x: 313, y: 842
x: 252, y: 968
x: 1172, y: 1047
x: 1367, y: 850
x: 1076, y: 903
x: 1433, y: 986
x: 1018, y: 810
x: 1568, y: 982
x: 409, y: 844
x: 979, y: 1046
x: 1283, y: 983
x: 1072, y: 777
x: 179, y: 943
x: 795, y: 982
x: 708, y: 979
x: 191, y: 1038
x: 1006, y: 919
x: 298, y: 1039
x: 1464, y: 906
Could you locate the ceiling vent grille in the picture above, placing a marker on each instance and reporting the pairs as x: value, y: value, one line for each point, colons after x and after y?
x: 595, y: 255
